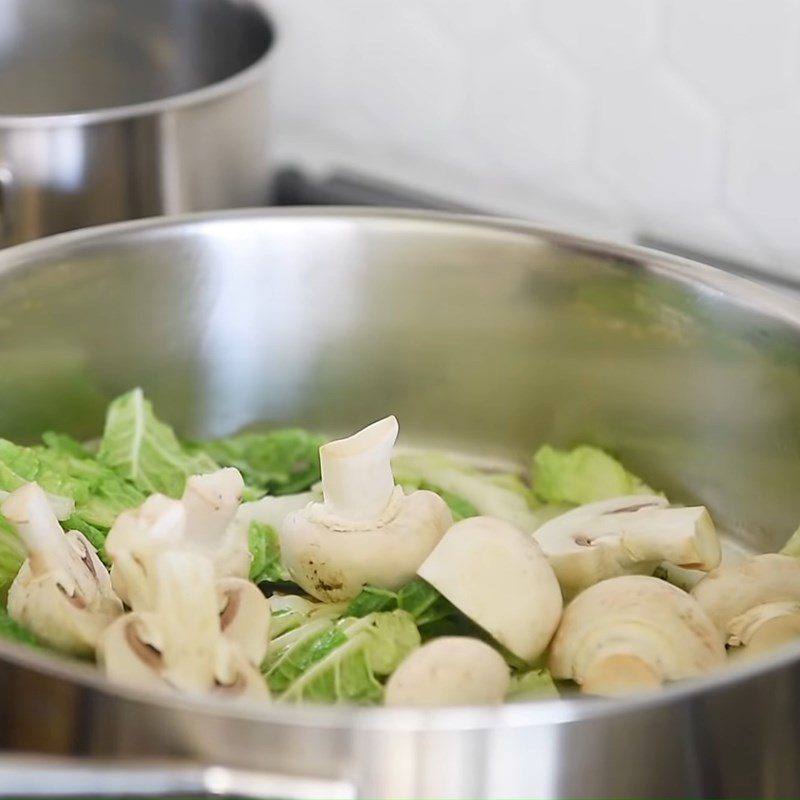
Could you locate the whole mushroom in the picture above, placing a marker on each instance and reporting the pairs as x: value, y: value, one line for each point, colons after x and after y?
x: 199, y: 637
x: 499, y: 577
x: 63, y: 591
x: 366, y: 530
x: 447, y: 671
x: 626, y: 535
x: 632, y: 633
x: 754, y: 603
x: 199, y: 522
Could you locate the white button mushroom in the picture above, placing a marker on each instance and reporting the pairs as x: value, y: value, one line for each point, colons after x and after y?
x: 200, y: 522
x: 754, y: 603
x: 63, y: 591
x: 626, y: 535
x: 366, y: 530
x: 631, y: 633
x: 449, y: 671
x: 499, y: 577
x: 182, y: 643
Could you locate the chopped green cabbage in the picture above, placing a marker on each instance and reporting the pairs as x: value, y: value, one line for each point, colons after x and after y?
x: 145, y: 450
x: 418, y: 598
x: 327, y: 661
x: 792, y: 547
x: 502, y: 495
x: 265, y: 548
x: 535, y: 684
x: 12, y: 554
x: 11, y: 629
x: 581, y: 475
x: 100, y: 495
x: 279, y: 462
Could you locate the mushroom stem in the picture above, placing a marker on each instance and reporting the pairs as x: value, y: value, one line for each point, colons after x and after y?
x: 29, y: 511
x: 357, y: 480
x: 211, y: 501
x: 619, y: 674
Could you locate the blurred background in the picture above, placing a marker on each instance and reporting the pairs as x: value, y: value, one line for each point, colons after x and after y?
x: 668, y: 122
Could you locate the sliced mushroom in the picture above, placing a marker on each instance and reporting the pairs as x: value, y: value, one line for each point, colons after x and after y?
x: 180, y: 644
x: 499, y: 577
x: 137, y: 537
x: 449, y: 671
x: 244, y: 617
x: 63, y: 591
x: 199, y: 522
x: 626, y: 535
x: 754, y: 603
x: 633, y: 633
x: 366, y: 530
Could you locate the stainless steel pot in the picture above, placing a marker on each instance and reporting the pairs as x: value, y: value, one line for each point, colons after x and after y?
x: 111, y: 110
x: 488, y: 336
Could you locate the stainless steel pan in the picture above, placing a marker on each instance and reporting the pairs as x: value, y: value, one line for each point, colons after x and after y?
x: 111, y: 110
x: 483, y: 335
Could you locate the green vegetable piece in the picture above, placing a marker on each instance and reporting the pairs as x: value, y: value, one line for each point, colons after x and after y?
x: 461, y: 508
x: 792, y: 547
x: 12, y: 554
x: 371, y: 599
x: 11, y: 629
x: 328, y: 662
x: 535, y: 684
x: 265, y: 549
x: 467, y: 490
x: 581, y: 475
x: 66, y: 445
x: 279, y: 462
x: 145, y: 450
x: 100, y: 494
x: 418, y: 598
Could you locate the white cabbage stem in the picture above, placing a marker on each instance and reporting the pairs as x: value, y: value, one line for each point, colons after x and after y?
x: 357, y: 480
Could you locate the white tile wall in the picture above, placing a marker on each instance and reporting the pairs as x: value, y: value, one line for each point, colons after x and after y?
x: 679, y: 119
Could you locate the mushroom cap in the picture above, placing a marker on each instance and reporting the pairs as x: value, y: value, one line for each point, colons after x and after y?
x: 637, y: 623
x: 449, y: 671
x: 333, y: 565
x: 733, y: 590
x: 500, y: 578
x: 626, y: 535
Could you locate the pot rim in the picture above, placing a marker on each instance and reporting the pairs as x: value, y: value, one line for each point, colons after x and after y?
x: 738, y: 290
x: 239, y: 80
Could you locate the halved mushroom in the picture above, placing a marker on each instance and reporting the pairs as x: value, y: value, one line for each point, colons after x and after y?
x: 199, y: 522
x: 63, y: 591
x: 626, y: 535
x: 180, y: 644
x: 244, y: 617
x: 449, y: 671
x: 754, y: 603
x: 632, y: 633
x: 499, y: 577
x: 366, y: 530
